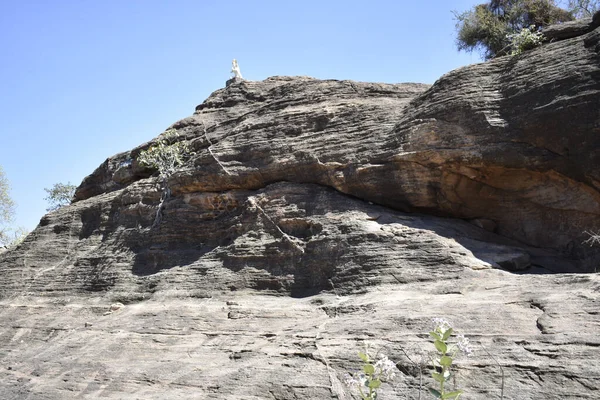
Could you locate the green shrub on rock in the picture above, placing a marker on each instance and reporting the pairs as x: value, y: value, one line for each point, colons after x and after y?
x: 166, y: 155
x: 527, y: 39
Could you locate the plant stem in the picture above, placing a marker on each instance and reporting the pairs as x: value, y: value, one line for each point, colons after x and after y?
x: 442, y: 382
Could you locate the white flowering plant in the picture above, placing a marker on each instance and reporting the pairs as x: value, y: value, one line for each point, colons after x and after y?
x: 373, y: 374
x: 527, y: 39
x: 446, y: 352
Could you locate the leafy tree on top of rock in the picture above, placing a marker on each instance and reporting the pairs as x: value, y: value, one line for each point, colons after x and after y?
x: 9, y: 235
x: 59, y: 195
x: 486, y: 27
x: 6, y: 210
x: 583, y: 8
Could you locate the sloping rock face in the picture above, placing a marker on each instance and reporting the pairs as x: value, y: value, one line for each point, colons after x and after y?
x: 315, y: 216
x: 515, y: 141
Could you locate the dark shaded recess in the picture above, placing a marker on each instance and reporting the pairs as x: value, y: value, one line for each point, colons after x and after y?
x: 151, y: 261
x: 99, y: 276
x: 270, y: 284
x: 184, y: 235
x: 293, y: 131
x: 153, y: 253
x: 320, y: 123
x: 45, y: 220
x: 60, y: 228
x: 274, y: 259
x: 593, y: 40
x: 91, y: 218
x: 314, y: 273
x: 117, y: 218
x: 299, y: 227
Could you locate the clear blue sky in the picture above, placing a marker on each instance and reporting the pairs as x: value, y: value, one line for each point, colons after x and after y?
x: 81, y: 80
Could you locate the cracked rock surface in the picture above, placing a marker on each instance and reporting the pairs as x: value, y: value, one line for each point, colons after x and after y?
x: 313, y: 217
x: 539, y: 330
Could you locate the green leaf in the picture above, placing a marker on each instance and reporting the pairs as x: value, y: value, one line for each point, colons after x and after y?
x: 441, y: 346
x: 375, y: 384
x: 438, y: 377
x: 369, y: 369
x: 363, y: 357
x: 446, y: 361
x: 435, y: 335
x: 447, y: 334
x: 434, y: 392
x: 452, y: 395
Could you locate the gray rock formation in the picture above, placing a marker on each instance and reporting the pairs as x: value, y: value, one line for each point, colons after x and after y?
x: 571, y: 29
x: 314, y: 216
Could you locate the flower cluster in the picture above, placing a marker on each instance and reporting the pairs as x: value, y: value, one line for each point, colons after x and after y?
x: 358, y: 380
x: 441, y: 325
x: 369, y: 381
x: 464, y: 345
x: 386, y: 368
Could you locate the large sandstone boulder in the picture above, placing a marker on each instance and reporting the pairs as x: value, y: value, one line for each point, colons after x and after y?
x: 314, y: 216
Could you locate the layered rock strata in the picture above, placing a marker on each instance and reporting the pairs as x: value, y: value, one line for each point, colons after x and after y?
x: 315, y: 216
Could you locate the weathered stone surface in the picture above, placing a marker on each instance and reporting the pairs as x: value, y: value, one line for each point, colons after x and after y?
x: 515, y: 140
x: 540, y: 330
x: 287, y: 238
x: 314, y: 216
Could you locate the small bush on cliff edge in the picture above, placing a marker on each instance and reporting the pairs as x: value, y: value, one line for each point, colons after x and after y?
x: 165, y: 155
x: 59, y: 195
x: 526, y: 39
